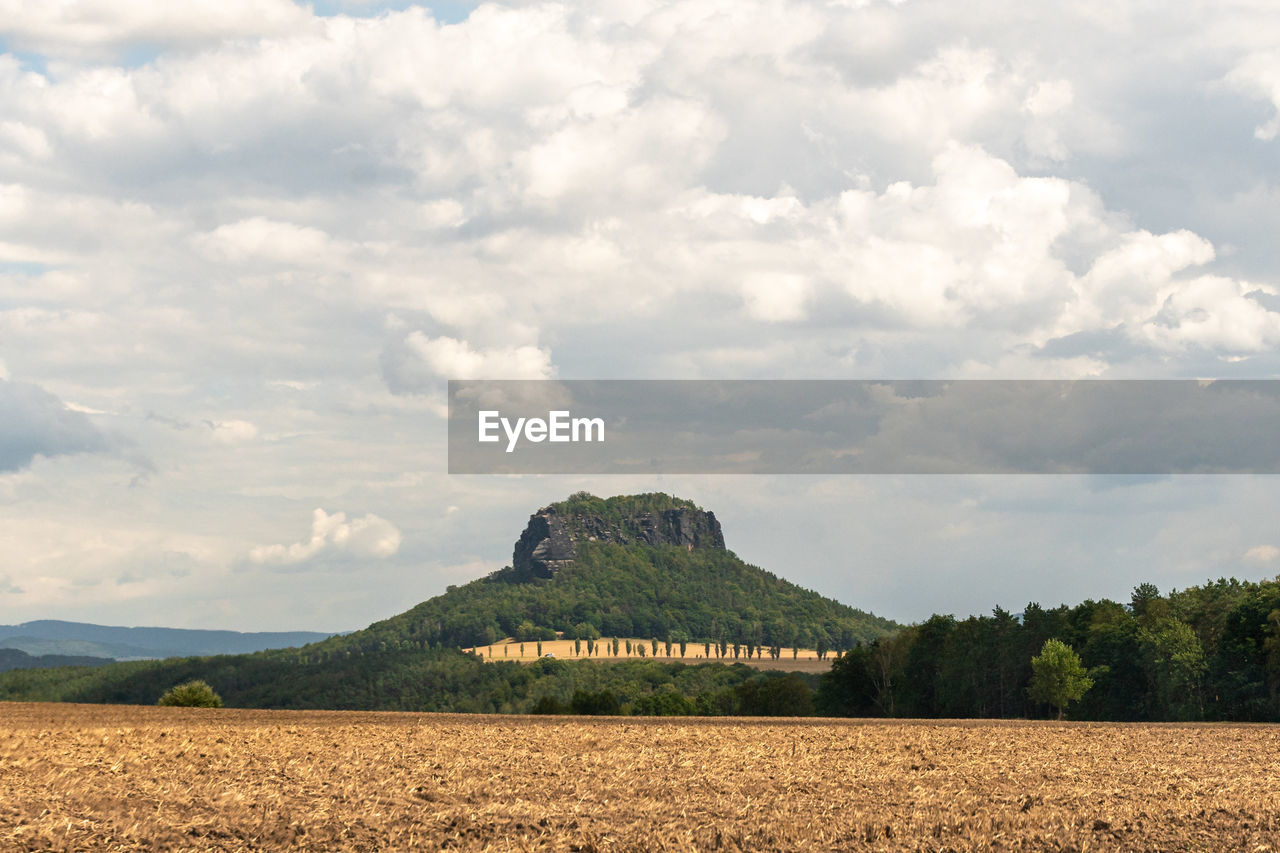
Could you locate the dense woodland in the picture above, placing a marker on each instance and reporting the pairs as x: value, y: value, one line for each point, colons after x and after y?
x: 433, y: 679
x: 18, y: 659
x: 1208, y: 652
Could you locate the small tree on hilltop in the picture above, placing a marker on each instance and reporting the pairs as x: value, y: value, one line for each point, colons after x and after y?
x: 1059, y: 677
x: 191, y: 694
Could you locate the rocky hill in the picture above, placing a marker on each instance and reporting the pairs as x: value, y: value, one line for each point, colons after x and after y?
x: 548, y: 541
x: 648, y: 565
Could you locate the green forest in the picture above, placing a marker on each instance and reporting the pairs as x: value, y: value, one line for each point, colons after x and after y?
x: 1209, y: 652
x: 432, y: 679
x: 620, y: 510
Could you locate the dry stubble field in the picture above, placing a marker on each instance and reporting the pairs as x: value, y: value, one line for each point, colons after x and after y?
x: 79, y: 777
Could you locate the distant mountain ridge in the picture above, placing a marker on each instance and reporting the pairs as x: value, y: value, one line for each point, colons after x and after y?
x: 83, y: 639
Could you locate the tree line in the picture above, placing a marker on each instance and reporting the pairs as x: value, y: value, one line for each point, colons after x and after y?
x: 1209, y: 652
x: 431, y: 679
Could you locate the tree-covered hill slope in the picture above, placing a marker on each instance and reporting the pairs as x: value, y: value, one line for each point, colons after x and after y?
x: 630, y: 566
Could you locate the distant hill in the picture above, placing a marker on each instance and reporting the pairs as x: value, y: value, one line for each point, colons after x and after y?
x: 632, y: 566
x: 53, y: 637
x: 16, y: 659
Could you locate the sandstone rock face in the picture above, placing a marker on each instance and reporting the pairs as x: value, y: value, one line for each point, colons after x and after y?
x: 544, y: 547
x: 547, y: 544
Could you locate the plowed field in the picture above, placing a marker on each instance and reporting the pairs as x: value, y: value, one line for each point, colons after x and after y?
x: 77, y: 777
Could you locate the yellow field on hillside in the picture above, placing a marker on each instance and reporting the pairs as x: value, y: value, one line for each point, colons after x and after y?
x: 88, y: 778
x: 799, y: 659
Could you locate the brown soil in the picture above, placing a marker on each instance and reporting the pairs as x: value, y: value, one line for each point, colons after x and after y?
x: 80, y: 777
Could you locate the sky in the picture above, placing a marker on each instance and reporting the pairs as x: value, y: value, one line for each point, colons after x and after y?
x: 244, y: 244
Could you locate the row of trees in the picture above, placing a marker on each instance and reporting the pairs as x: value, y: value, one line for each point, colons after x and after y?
x: 672, y: 647
x: 652, y: 690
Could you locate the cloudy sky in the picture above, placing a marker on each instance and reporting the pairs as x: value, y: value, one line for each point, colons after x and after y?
x: 243, y: 244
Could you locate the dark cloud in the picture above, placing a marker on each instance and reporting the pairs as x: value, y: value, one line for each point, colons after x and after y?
x: 1112, y: 344
x: 34, y: 423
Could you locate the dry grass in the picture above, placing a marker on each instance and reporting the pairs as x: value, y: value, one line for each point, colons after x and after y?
x: 76, y: 777
x: 791, y: 660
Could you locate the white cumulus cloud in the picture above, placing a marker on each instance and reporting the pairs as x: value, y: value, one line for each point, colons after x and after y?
x: 1259, y: 74
x: 232, y: 432
x: 274, y: 213
x: 450, y: 358
x: 1262, y: 555
x: 370, y: 536
x: 94, y: 28
x: 776, y: 298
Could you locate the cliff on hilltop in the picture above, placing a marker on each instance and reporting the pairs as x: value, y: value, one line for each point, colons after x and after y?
x: 656, y: 519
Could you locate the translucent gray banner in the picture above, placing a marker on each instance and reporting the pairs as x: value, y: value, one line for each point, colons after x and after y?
x: 1131, y: 427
